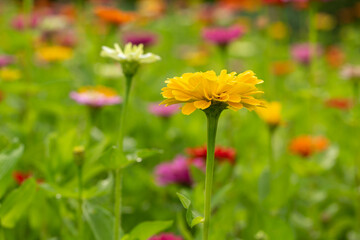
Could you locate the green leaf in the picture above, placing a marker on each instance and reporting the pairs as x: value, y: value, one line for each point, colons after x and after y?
x: 186, y: 202
x: 101, y: 188
x: 109, y: 157
x: 100, y: 220
x: 9, y: 158
x: 141, y: 154
x: 192, y: 217
x: 17, y: 202
x: 145, y: 230
x: 196, y: 221
x: 264, y: 184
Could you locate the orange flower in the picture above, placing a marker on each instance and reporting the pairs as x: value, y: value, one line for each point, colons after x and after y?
x: 250, y: 5
x: 282, y: 68
x: 335, y: 57
x: 306, y: 145
x: 113, y: 15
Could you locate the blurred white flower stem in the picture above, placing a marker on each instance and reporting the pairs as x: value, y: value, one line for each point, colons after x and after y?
x: 118, y: 170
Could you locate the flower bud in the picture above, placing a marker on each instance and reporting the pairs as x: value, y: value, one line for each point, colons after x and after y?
x: 79, y: 155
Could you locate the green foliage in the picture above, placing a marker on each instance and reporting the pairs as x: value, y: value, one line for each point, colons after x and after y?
x: 8, y: 159
x: 16, y: 203
x: 145, y: 230
x: 192, y: 217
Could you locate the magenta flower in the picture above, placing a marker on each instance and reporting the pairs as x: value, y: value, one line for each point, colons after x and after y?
x: 162, y: 110
x: 221, y: 35
x: 6, y: 60
x: 176, y: 171
x: 302, y: 52
x: 98, y: 96
x: 137, y: 38
x: 21, y: 22
x: 166, y: 236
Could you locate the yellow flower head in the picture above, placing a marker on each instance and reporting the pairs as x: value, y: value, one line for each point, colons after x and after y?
x: 54, y: 53
x: 271, y: 114
x: 278, y: 31
x: 202, y: 89
x: 8, y: 74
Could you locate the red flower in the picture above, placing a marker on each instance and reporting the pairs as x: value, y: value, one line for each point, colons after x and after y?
x: 222, y: 154
x: 20, y: 177
x: 340, y: 103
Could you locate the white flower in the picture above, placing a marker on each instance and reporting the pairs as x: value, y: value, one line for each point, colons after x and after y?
x: 131, y: 53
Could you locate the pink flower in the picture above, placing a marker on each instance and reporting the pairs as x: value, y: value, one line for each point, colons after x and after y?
x: 349, y: 72
x: 66, y: 38
x: 6, y: 60
x: 221, y: 35
x: 21, y: 22
x: 275, y: 2
x: 176, y: 171
x: 302, y: 52
x: 166, y: 236
x: 162, y: 110
x: 98, y: 96
x: 136, y: 38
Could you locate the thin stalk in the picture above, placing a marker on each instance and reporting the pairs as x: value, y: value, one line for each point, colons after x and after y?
x: 80, y: 203
x: 271, y: 150
x: 182, y: 227
x: 117, y: 204
x: 212, y: 123
x: 118, y: 171
x: 357, y: 196
x: 312, y: 42
x: 267, y: 53
x: 2, y: 231
x: 356, y: 91
x: 224, y: 56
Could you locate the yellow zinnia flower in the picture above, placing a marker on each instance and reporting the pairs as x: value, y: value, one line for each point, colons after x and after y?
x: 202, y: 89
x: 271, y: 114
x: 54, y: 53
x: 8, y: 74
x: 278, y: 31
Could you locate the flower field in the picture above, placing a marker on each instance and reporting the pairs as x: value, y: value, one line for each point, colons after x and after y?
x: 180, y: 120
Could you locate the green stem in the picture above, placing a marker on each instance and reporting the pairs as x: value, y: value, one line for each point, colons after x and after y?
x: 356, y: 91
x: 80, y: 203
x: 2, y: 231
x: 117, y: 204
x: 267, y: 53
x: 224, y: 56
x: 312, y: 41
x: 182, y: 227
x: 212, y: 122
x: 118, y: 171
x: 271, y: 151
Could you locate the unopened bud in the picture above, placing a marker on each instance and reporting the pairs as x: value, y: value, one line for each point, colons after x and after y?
x: 79, y: 155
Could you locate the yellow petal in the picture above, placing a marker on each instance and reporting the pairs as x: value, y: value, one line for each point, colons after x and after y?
x: 188, y: 108
x: 181, y: 96
x: 202, y: 104
x: 235, y: 106
x: 234, y: 98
